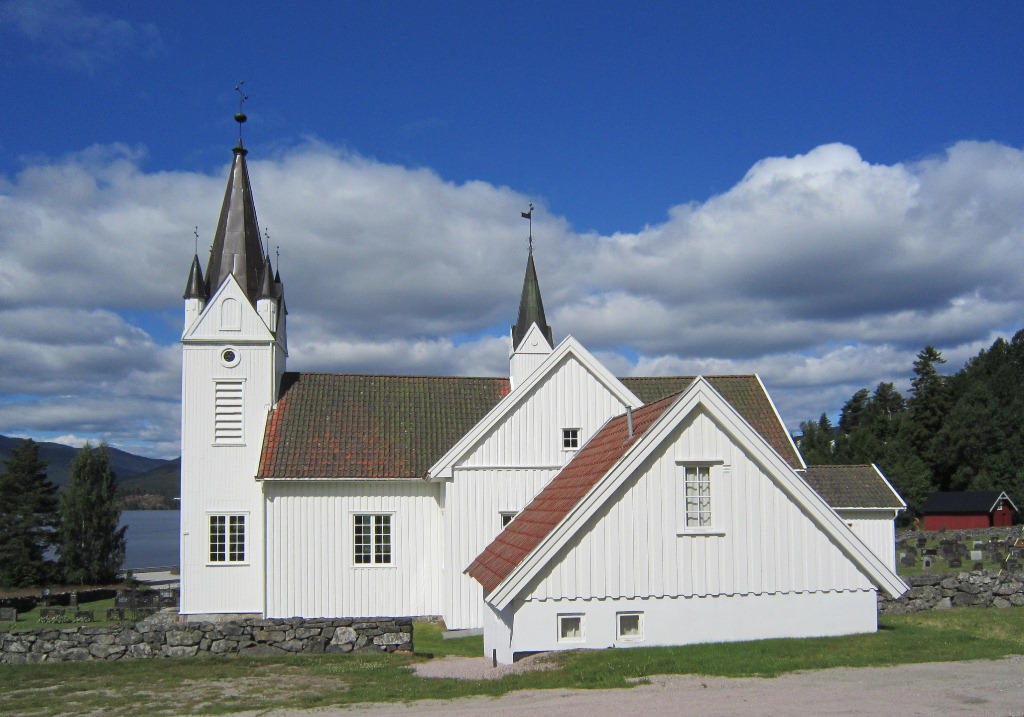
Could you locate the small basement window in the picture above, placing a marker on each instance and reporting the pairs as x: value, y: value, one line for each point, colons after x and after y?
x: 570, y: 628
x: 570, y: 439
x: 630, y: 625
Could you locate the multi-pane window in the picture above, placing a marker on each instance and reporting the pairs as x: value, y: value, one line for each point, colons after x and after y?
x: 570, y: 628
x: 570, y: 439
x: 227, y: 423
x: 698, y: 497
x: 372, y: 539
x: 630, y: 625
x: 227, y: 538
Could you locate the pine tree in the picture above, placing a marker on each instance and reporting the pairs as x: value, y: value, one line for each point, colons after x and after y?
x: 28, y: 517
x: 929, y: 406
x: 91, y: 545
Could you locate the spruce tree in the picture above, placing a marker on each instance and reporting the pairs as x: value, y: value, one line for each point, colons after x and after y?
x: 28, y: 518
x: 91, y: 545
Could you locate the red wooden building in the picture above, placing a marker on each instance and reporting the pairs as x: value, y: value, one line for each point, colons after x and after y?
x: 954, y: 510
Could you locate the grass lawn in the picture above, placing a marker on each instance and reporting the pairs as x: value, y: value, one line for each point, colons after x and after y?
x: 212, y: 686
x: 30, y: 620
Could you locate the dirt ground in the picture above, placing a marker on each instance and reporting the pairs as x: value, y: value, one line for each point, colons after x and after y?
x: 940, y: 689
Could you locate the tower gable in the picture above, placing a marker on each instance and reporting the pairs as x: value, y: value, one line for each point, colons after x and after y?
x: 229, y: 317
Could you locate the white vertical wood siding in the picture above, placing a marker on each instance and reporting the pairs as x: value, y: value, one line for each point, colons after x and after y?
x: 310, y: 567
x: 507, y: 469
x: 474, y: 502
x: 531, y: 436
x: 631, y: 548
x: 877, y: 530
x: 222, y: 478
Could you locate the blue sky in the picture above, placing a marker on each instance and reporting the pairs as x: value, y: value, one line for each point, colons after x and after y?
x: 812, y: 191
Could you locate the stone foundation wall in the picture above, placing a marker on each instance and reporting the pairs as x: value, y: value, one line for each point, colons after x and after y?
x: 163, y: 636
x: 943, y: 591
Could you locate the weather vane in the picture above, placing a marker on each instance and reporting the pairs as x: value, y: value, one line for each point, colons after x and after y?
x: 529, y: 215
x: 240, y: 117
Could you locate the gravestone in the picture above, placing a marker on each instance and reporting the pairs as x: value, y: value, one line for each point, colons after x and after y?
x: 996, y: 557
x: 979, y: 566
x: 930, y: 551
x: 911, y: 550
x: 955, y: 563
x: 115, y: 613
x: 927, y: 562
x: 1013, y: 565
x: 73, y: 601
x: 979, y: 545
x: 908, y: 560
x: 976, y: 555
x: 921, y: 542
x: 84, y: 616
x: 51, y: 612
x: 8, y: 614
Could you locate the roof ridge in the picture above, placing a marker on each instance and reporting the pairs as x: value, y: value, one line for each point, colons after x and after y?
x: 395, y: 375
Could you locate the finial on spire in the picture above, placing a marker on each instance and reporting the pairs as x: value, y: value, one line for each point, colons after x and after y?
x: 529, y: 215
x: 240, y: 117
x: 196, y: 232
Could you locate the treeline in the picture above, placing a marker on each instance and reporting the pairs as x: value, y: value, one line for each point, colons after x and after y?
x: 963, y: 431
x: 73, y: 538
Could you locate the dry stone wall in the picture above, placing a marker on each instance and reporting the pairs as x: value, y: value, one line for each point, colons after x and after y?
x: 943, y: 591
x: 163, y: 636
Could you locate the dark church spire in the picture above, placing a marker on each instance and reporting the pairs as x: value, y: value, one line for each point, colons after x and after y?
x: 531, y: 308
x: 237, y: 249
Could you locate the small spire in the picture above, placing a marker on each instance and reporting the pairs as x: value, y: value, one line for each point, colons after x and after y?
x: 267, y: 287
x: 195, y: 288
x: 531, y: 307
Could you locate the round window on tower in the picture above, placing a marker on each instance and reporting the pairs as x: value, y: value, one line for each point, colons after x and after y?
x: 229, y: 357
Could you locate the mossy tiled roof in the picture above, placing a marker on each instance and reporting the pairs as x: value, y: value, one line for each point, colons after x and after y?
x: 856, y: 486
x: 376, y: 427
x: 352, y: 426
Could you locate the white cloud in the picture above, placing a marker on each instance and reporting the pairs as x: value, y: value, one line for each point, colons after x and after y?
x: 69, y: 36
x: 823, y: 273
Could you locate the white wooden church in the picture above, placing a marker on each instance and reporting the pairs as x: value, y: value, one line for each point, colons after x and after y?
x: 557, y: 507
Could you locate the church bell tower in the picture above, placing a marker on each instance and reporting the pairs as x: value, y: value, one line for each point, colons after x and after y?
x: 234, y: 351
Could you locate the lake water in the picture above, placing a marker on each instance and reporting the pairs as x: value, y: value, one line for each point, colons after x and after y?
x: 152, y: 538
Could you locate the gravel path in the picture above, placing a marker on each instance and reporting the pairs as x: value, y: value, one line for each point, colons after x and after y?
x: 939, y: 689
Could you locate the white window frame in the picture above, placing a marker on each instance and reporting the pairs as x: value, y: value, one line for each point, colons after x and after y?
x: 376, y: 520
x: 505, y: 517
x: 620, y: 635
x: 715, y: 471
x: 563, y: 619
x: 229, y: 412
x: 227, y: 550
x: 571, y: 439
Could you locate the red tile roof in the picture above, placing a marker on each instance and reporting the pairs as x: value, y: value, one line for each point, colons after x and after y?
x: 561, y: 495
x: 376, y: 427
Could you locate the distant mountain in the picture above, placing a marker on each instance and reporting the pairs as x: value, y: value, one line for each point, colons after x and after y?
x: 126, y: 466
x: 163, y: 480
